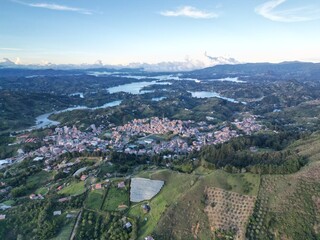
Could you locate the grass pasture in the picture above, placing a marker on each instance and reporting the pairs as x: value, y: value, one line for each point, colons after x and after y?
x: 74, y: 188
x: 115, y: 197
x: 42, y: 191
x: 95, y: 199
x: 309, y: 147
x: 186, y: 217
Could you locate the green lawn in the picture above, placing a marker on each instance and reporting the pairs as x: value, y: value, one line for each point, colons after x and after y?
x: 115, y: 197
x: 95, y: 199
x: 42, y: 190
x: 75, y: 188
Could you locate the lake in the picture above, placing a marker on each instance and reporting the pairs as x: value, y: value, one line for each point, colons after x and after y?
x: 206, y: 94
x: 229, y: 79
x: 158, y: 99
x: 43, y: 120
x: 134, y: 88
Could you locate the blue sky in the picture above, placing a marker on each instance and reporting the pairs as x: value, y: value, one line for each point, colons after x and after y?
x: 125, y: 31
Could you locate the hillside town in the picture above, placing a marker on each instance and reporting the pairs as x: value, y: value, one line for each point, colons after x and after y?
x: 141, y: 136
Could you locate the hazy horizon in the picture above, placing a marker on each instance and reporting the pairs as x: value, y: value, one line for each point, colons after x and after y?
x: 126, y: 32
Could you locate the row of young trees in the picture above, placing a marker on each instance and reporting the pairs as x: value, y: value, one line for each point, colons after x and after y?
x: 102, y: 226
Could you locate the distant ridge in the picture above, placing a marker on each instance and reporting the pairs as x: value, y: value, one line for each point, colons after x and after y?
x: 283, y: 66
x: 293, y: 69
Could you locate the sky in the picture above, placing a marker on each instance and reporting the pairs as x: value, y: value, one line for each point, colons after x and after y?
x: 152, y: 31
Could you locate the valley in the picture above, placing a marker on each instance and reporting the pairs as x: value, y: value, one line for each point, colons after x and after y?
x: 237, y: 156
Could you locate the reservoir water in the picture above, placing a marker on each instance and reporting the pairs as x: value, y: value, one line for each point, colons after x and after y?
x: 43, y: 120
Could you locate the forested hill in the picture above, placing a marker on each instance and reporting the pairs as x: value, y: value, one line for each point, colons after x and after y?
x: 284, y: 69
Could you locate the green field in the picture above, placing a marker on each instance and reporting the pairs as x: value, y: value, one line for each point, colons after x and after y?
x: 42, y: 190
x: 114, y: 198
x: 39, y: 179
x: 175, y: 185
x: 288, y: 206
x: 75, y: 188
x: 247, y: 183
x: 186, y: 212
x: 309, y: 147
x: 95, y: 199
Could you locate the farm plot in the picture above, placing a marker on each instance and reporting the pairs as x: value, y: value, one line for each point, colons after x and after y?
x: 74, y: 188
x: 288, y: 206
x: 144, y: 189
x: 95, y: 199
x: 115, y: 199
x: 228, y: 210
x: 186, y: 217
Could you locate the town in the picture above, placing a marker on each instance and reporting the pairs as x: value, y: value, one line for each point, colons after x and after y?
x: 147, y: 136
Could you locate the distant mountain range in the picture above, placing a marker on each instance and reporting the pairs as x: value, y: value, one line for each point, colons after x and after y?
x: 283, y: 70
x: 262, y: 67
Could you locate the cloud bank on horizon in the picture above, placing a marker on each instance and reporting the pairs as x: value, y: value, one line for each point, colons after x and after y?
x: 170, y: 66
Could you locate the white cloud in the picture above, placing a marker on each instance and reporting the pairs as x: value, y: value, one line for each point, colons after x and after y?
x: 188, y: 11
x: 17, y: 61
x: 299, y: 14
x: 221, y: 60
x: 57, y: 7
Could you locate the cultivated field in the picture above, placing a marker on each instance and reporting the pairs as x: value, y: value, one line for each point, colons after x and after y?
x: 95, y: 199
x: 288, y: 206
x: 187, y: 216
x: 115, y: 198
x: 228, y: 211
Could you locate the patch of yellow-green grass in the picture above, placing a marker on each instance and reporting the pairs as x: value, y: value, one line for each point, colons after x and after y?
x: 309, y: 147
x: 202, y: 171
x: 95, y: 199
x: 245, y: 183
x: 74, y: 188
x: 115, y: 198
x: 42, y: 190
